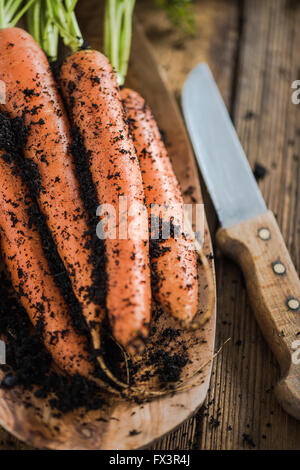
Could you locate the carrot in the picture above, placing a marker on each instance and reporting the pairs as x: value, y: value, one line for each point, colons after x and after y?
x: 89, y: 86
x: 31, y: 94
x: 25, y: 261
x: 173, y: 260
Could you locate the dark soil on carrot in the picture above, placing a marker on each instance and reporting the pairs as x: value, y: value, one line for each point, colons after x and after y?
x: 28, y: 363
x: 12, y: 139
x: 88, y: 195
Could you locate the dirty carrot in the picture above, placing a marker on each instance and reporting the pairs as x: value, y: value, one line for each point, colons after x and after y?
x: 31, y: 94
x: 90, y: 88
x: 27, y: 266
x: 173, y: 260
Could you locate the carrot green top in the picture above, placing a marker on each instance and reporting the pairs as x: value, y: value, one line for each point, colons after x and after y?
x: 50, y: 19
x: 11, y: 11
x: 47, y: 20
x: 117, y: 35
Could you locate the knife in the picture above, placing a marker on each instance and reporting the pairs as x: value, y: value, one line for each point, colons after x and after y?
x: 249, y: 232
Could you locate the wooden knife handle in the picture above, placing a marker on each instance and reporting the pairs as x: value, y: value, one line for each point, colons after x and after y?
x: 274, y: 291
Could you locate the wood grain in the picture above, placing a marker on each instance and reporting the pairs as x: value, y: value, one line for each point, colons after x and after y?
x: 241, y: 411
x: 268, y: 126
x: 273, y: 288
x: 215, y: 42
x: 252, y: 48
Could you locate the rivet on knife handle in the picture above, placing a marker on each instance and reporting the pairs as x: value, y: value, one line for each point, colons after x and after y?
x: 274, y: 291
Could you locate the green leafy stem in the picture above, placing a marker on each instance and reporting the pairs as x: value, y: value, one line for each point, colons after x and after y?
x: 47, y: 20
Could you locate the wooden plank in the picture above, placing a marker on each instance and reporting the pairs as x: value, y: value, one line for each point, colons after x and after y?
x: 268, y: 125
x: 216, y: 43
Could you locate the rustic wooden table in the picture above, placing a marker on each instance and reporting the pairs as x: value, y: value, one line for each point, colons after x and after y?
x: 252, y: 47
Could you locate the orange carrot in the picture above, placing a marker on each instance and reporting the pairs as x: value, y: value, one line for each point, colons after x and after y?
x: 90, y: 88
x: 25, y: 261
x: 173, y: 260
x: 31, y: 93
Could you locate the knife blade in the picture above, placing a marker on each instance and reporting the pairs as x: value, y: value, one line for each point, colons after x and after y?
x: 249, y: 232
x: 235, y: 194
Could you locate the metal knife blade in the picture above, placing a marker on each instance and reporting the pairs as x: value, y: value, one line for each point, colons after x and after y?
x: 218, y: 151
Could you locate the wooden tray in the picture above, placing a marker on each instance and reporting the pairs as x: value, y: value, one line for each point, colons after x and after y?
x: 129, y: 425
